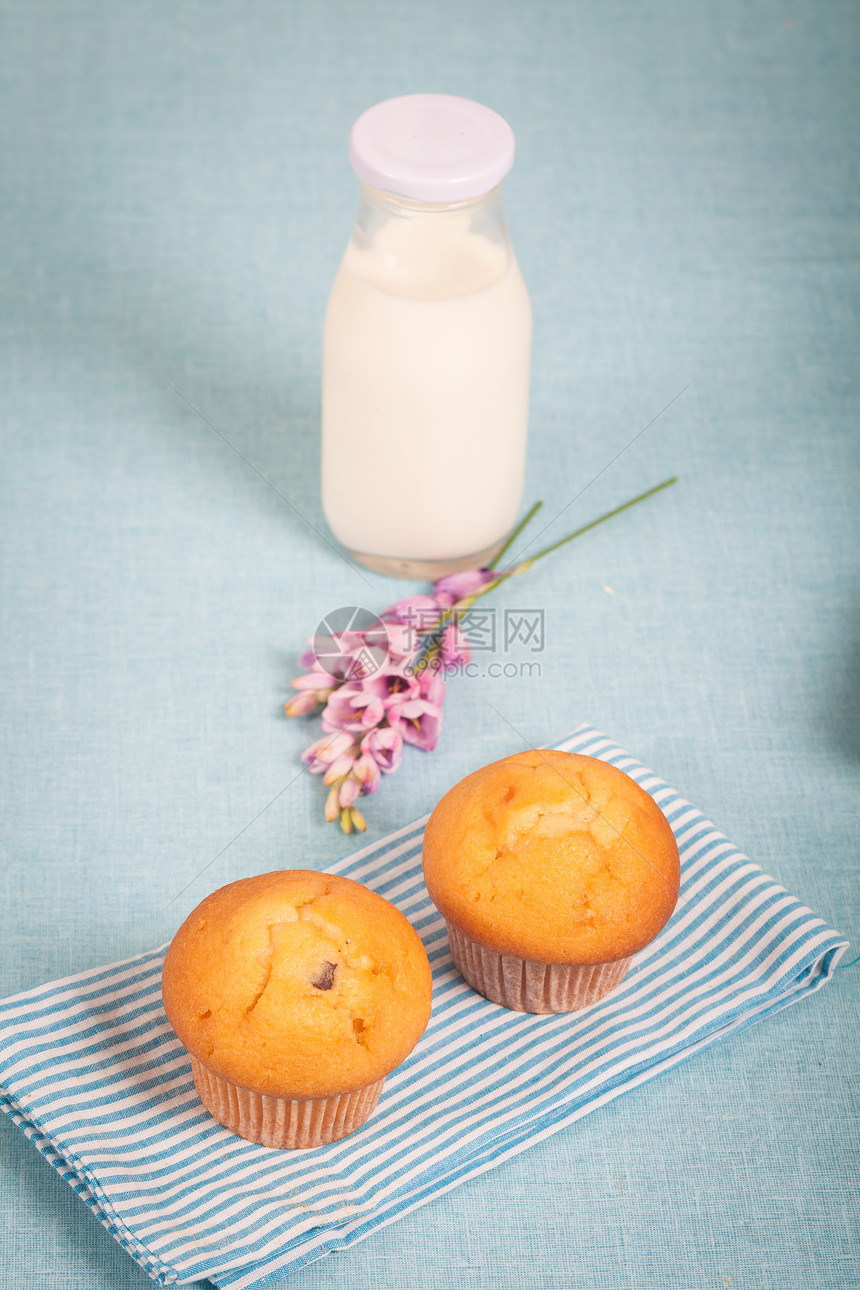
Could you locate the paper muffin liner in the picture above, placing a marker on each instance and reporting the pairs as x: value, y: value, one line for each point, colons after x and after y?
x: 527, y: 986
x: 283, y: 1122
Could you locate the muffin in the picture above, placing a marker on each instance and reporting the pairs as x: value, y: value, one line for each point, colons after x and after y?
x: 295, y: 994
x: 551, y: 871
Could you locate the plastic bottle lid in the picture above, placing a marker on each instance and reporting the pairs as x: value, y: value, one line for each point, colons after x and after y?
x: 432, y: 147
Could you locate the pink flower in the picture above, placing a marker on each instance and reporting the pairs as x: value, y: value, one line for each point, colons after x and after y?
x: 421, y: 613
x: 367, y: 772
x: 314, y: 687
x: 419, y: 722
x: 459, y: 586
x: 353, y: 707
x: 385, y: 746
x: 350, y: 656
x: 403, y: 641
x: 322, y: 753
x: 382, y: 681
x: 392, y: 687
x: 432, y: 685
x: 454, y: 646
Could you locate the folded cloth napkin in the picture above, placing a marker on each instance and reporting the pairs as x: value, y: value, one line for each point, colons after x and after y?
x: 92, y: 1073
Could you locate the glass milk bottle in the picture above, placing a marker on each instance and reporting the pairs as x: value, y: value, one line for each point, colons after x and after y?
x: 426, y: 345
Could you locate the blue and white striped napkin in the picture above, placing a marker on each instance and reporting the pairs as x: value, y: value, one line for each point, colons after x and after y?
x: 92, y: 1073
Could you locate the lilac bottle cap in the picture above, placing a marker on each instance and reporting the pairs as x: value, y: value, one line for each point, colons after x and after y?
x: 432, y: 147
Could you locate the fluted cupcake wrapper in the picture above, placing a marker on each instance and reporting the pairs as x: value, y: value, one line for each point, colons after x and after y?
x: 283, y: 1122
x: 527, y: 986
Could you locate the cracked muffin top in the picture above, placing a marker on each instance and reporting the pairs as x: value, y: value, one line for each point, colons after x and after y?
x: 297, y: 984
x: 553, y: 857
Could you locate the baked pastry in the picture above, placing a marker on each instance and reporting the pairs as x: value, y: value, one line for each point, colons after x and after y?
x: 295, y: 993
x: 551, y: 871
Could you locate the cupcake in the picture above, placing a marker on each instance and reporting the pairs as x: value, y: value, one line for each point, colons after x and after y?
x: 295, y: 994
x: 551, y: 871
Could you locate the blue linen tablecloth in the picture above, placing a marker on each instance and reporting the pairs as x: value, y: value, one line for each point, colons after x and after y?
x: 175, y: 199
x: 93, y: 1074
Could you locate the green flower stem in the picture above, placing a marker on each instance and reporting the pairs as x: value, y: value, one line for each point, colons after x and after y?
x: 634, y: 501
x: 463, y: 605
x: 517, y: 531
x: 578, y: 533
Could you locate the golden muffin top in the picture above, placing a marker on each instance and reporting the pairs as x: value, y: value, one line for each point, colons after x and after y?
x: 297, y: 984
x: 554, y: 857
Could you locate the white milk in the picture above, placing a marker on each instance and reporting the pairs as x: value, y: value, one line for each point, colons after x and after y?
x: 426, y: 354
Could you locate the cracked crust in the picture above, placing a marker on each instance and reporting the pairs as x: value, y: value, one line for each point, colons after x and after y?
x: 297, y: 984
x: 552, y: 857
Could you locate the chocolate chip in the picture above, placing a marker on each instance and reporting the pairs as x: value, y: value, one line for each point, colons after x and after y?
x: 324, y: 979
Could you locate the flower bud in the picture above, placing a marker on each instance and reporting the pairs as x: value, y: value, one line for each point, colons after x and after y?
x: 340, y: 766
x: 349, y: 791
x: 332, y: 805
x: 301, y: 704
